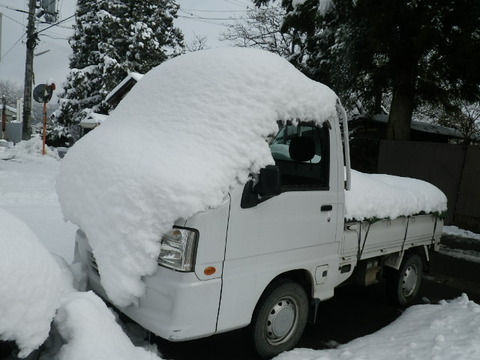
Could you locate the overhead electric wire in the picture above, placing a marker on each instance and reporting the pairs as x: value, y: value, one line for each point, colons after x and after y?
x: 237, y: 3
x: 206, y: 18
x: 13, y: 9
x: 212, y: 10
x: 208, y: 22
x: 54, y: 37
x: 14, y: 20
x: 11, y: 48
x: 57, y: 23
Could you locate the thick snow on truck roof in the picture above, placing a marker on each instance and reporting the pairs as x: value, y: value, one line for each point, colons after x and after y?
x: 191, y: 130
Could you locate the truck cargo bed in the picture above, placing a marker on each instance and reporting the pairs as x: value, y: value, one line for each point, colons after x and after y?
x: 367, y: 239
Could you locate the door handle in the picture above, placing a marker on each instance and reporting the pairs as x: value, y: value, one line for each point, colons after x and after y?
x: 326, y: 208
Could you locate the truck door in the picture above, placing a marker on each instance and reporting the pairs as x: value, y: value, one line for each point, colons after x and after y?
x: 295, y: 230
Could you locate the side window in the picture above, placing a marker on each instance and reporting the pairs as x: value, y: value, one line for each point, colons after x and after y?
x: 302, y: 154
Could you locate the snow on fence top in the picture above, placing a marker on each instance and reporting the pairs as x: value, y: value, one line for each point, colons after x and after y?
x: 187, y: 133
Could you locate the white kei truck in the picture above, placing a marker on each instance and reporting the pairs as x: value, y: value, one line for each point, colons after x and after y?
x: 276, y: 248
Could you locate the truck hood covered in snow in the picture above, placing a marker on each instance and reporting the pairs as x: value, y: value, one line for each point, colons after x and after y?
x: 188, y: 132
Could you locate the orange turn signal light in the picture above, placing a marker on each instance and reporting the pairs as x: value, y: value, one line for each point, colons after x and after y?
x: 209, y: 270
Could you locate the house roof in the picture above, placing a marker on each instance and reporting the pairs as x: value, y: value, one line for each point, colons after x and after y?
x: 9, y: 109
x: 419, y: 126
x: 425, y: 127
x: 121, y: 89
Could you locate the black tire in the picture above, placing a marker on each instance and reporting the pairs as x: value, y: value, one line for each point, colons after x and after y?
x: 279, y: 318
x: 403, y: 284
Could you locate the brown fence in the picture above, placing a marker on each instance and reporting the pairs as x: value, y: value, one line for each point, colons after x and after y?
x: 455, y: 169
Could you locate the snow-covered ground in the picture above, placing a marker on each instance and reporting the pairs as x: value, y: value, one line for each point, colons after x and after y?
x: 37, y: 285
x: 468, y: 237
x: 455, y: 231
x: 84, y: 328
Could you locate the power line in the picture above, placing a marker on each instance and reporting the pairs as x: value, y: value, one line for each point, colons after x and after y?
x: 15, y: 21
x: 207, y: 18
x: 214, y: 11
x: 13, y: 9
x: 204, y: 21
x: 57, y: 23
x: 11, y: 48
x: 237, y: 3
x: 54, y: 37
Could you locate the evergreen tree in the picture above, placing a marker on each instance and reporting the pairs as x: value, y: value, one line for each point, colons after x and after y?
x: 151, y: 31
x: 112, y: 38
x: 419, y: 51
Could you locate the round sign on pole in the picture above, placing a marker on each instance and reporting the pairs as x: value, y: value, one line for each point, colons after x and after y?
x: 43, y: 93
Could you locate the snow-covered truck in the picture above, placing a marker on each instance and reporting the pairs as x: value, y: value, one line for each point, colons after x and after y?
x: 218, y: 195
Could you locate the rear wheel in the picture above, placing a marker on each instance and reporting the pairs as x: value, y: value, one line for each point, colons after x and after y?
x: 403, y: 284
x: 280, y: 318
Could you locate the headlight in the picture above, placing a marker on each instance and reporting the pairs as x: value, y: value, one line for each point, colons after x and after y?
x: 177, y: 249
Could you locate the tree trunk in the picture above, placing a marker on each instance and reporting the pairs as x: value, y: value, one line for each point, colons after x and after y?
x: 401, y: 109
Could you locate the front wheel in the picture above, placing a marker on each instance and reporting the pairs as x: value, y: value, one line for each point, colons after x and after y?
x: 280, y: 318
x: 403, y: 284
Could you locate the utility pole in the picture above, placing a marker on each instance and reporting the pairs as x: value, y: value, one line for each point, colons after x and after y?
x: 1, y: 15
x: 4, y: 116
x: 27, y: 94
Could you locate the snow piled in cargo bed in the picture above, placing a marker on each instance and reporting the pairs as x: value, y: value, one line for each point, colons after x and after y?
x: 189, y: 131
x: 388, y: 197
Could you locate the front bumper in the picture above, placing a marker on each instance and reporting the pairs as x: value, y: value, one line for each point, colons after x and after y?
x: 177, y: 306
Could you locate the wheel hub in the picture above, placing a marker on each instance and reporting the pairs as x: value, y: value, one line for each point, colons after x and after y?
x: 409, y: 280
x: 280, y: 321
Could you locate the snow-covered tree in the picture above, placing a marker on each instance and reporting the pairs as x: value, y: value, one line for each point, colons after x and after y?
x: 464, y: 117
x: 152, y: 37
x: 198, y: 43
x: 261, y: 29
x: 112, y: 38
x: 418, y: 51
x: 12, y: 92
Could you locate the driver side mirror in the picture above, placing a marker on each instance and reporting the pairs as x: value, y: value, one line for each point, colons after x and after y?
x: 269, y: 185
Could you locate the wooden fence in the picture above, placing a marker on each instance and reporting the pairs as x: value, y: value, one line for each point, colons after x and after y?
x: 455, y: 169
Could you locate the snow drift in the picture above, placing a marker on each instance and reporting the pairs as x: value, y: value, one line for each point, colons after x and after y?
x: 187, y: 133
x: 449, y: 330
x: 90, y: 331
x: 30, y: 285
x: 37, y: 290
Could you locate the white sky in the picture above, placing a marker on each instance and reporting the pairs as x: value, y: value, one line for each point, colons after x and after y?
x: 196, y: 17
